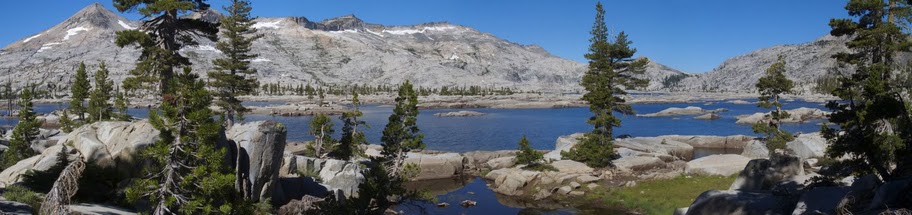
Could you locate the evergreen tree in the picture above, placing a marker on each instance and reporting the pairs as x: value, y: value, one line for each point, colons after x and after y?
x: 401, y: 134
x: 611, y: 70
x: 352, y: 138
x: 527, y: 155
x: 42, y: 181
x: 187, y: 173
x: 321, y: 129
x: 99, y: 109
x: 121, y: 104
x: 25, y: 132
x: 66, y: 124
x: 233, y: 76
x: 79, y: 92
x: 162, y: 34
x: 874, y: 132
x: 9, y: 95
x: 772, y: 86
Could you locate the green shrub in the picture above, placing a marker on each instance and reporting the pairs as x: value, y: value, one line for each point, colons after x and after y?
x: 21, y: 194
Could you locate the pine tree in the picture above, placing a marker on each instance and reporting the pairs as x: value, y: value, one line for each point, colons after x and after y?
x: 321, y: 129
x: 121, y: 104
x: 401, y: 134
x: 66, y: 124
x: 233, y: 76
x: 99, y: 109
x: 874, y: 132
x: 25, y: 132
x: 187, y: 173
x: 79, y: 92
x: 772, y: 86
x: 9, y: 95
x: 527, y: 155
x: 611, y: 70
x: 162, y: 34
x: 352, y: 138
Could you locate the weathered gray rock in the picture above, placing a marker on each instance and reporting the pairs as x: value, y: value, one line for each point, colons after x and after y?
x: 564, y: 143
x: 571, y: 167
x: 502, y: 162
x: 756, y: 150
x: 714, y: 142
x: 822, y: 200
x: 341, y: 176
x: 15, y: 208
x: 890, y: 194
x: 657, y: 145
x: 737, y: 202
x: 675, y: 111
x: 464, y: 113
x: 798, y: 115
x: 260, y: 146
x: 637, y: 163
x: 708, y: 116
x: 478, y: 159
x: 438, y: 166
x: 109, y: 144
x: 96, y: 209
x: 511, y: 181
x: 753, y: 177
x: 810, y: 145
x: 722, y: 165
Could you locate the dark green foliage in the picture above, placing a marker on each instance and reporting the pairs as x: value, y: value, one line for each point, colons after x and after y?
x: 99, y: 108
x: 401, y: 134
x: 186, y: 173
x: 873, y: 115
x: 771, y: 87
x: 42, y: 181
x: 673, y: 80
x: 121, y: 104
x: 79, y: 92
x: 66, y: 123
x: 21, y: 194
x: 352, y: 138
x: 373, y: 194
x: 9, y: 95
x: 338, y: 90
x: 164, y: 31
x: 233, y: 76
x: 321, y: 129
x: 101, y: 184
x: 611, y: 70
x: 527, y: 155
x: 25, y: 132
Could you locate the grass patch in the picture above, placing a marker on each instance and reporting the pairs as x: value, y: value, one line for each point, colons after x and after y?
x: 540, y: 167
x: 660, y: 196
x: 24, y: 195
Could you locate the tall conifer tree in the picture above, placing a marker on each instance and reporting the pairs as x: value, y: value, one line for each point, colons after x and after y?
x: 233, y: 76
x: 352, y: 138
x: 874, y: 119
x: 611, y: 71
x: 401, y: 134
x: 99, y: 108
x: 25, y: 132
x: 772, y: 86
x: 79, y: 92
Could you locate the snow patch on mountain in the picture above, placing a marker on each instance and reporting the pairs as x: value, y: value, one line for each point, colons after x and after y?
x: 30, y: 38
x: 125, y: 25
x: 416, y: 31
x: 47, y: 46
x: 74, y: 32
x: 273, y: 25
x: 258, y: 60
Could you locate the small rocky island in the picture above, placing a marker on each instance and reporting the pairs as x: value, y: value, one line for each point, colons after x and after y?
x: 463, y: 113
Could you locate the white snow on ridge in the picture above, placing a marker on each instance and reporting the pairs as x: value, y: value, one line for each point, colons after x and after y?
x: 344, y: 31
x: 273, y: 25
x: 74, y: 31
x: 30, y: 38
x: 454, y: 57
x: 415, y: 31
x: 124, y: 25
x: 372, y: 32
x: 257, y: 60
x: 47, y: 46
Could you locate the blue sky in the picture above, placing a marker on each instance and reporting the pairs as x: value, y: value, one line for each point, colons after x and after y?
x: 692, y: 36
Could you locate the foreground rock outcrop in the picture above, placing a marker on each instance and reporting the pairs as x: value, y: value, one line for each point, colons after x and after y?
x: 259, y: 148
x: 798, y: 115
x: 674, y: 111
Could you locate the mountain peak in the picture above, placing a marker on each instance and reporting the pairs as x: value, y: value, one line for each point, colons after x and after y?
x: 95, y: 14
x: 344, y: 22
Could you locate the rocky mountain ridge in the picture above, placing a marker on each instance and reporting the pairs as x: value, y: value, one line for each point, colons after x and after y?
x: 294, y: 50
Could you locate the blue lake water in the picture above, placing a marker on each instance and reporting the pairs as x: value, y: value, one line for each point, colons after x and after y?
x: 502, y: 128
